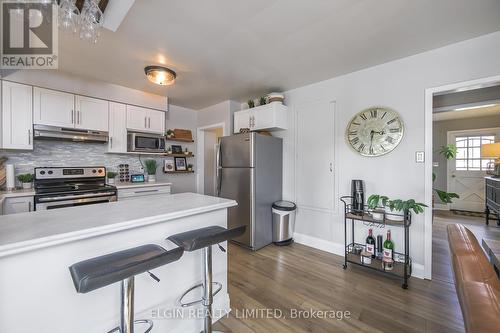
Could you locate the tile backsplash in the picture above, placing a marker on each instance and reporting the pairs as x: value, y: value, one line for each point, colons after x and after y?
x: 48, y: 153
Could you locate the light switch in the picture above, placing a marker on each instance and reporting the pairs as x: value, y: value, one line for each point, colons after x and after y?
x: 419, y: 157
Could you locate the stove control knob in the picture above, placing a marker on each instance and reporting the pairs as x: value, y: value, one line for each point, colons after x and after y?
x: 94, y: 171
x: 42, y: 172
x: 50, y: 172
x: 100, y: 171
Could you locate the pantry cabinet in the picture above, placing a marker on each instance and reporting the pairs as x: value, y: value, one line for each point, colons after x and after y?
x: 117, y: 128
x: 16, y: 117
x: 145, y: 120
x: 269, y: 117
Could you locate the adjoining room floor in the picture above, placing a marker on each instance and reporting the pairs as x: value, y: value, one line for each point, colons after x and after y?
x: 300, y: 277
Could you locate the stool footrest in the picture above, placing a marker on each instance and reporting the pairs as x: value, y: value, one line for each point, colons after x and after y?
x: 140, y: 321
x: 218, y: 288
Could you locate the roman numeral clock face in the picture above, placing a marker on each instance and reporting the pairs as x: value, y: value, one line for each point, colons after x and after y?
x: 375, y: 131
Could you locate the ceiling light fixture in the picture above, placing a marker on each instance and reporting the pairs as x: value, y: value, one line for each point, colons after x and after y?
x: 160, y: 75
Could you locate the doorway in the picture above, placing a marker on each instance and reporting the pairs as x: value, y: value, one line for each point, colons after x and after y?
x: 463, y: 115
x: 208, y: 138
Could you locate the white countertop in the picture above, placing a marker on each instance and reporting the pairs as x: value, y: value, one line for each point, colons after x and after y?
x: 29, y: 231
x: 17, y: 193
x: 139, y: 185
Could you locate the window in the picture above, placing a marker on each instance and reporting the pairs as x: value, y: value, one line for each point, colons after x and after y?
x: 469, y: 152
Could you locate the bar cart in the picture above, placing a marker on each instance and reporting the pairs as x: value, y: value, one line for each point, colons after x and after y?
x: 402, y: 264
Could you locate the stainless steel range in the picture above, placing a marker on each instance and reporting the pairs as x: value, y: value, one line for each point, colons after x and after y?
x: 69, y: 187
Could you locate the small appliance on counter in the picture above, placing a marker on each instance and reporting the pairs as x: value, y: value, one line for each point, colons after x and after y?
x: 138, y: 178
x: 358, y: 196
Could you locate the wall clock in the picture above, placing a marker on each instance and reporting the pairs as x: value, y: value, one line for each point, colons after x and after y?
x: 375, y: 131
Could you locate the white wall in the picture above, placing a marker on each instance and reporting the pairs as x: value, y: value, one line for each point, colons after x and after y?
x: 219, y: 113
x: 399, y: 85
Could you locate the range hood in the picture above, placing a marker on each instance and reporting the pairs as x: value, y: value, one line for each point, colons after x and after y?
x: 68, y: 134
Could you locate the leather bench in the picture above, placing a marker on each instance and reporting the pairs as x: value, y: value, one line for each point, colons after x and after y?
x: 477, y: 284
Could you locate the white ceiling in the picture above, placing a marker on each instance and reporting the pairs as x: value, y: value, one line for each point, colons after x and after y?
x: 236, y: 49
x: 471, y: 113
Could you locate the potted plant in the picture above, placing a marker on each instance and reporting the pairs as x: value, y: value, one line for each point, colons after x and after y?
x: 26, y: 180
x: 151, y: 166
x: 169, y: 150
x: 251, y: 103
x: 186, y: 152
x: 263, y: 100
x: 190, y: 167
x: 449, y: 152
x: 394, y: 207
x: 111, y: 177
x: 170, y: 134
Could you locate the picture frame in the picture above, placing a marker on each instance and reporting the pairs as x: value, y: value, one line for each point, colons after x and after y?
x: 176, y: 149
x: 169, y: 165
x: 180, y: 164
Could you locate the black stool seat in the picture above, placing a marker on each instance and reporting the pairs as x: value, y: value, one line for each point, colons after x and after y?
x: 199, y: 238
x: 101, y: 271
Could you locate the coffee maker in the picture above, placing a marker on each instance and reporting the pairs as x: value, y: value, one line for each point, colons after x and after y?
x: 358, y: 196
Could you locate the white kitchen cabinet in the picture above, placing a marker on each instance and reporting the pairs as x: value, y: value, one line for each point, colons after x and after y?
x: 53, y: 108
x: 145, y: 120
x: 16, y: 116
x: 91, y: 113
x: 17, y: 205
x: 138, y: 191
x: 269, y: 117
x: 117, y: 128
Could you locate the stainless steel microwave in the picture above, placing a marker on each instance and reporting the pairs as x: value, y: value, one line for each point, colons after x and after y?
x: 142, y: 142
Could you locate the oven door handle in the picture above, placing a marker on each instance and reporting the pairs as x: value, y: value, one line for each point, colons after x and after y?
x: 82, y: 196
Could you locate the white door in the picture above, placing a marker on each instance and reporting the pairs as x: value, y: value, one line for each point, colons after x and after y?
x: 466, y: 173
x: 91, y: 113
x: 315, y: 157
x: 241, y: 120
x: 117, y: 128
x: 156, y: 122
x: 137, y: 118
x: 54, y: 108
x: 17, y: 116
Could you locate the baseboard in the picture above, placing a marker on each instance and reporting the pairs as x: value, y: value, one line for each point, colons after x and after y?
x: 441, y: 207
x: 418, y: 270
x: 319, y: 244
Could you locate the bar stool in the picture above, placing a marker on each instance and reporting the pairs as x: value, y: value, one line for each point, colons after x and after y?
x: 203, y: 239
x: 122, y: 267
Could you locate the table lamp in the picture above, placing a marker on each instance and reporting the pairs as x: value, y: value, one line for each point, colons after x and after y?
x: 492, y: 150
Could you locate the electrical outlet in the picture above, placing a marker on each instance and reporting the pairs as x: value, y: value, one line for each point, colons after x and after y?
x: 419, y: 157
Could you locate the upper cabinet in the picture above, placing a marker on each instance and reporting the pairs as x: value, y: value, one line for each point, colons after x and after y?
x: 273, y: 116
x: 54, y: 108
x: 16, y: 116
x: 91, y: 113
x: 117, y: 128
x: 145, y: 120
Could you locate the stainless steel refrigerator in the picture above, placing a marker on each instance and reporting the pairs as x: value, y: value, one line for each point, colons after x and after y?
x: 250, y: 171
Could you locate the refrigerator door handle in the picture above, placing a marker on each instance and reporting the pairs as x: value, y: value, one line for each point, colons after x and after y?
x: 218, y: 168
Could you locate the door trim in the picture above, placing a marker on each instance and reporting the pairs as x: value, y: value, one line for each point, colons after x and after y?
x: 428, y: 121
x: 200, y: 156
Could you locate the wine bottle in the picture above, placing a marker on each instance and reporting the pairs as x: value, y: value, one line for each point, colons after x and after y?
x: 370, y: 243
x: 389, y: 247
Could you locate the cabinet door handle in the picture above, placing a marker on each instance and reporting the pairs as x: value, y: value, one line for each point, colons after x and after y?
x: 72, y: 116
x: 29, y: 206
x: 145, y: 122
x: 79, y: 117
x: 331, y: 167
x: 29, y: 136
x: 111, y: 142
x: 149, y: 122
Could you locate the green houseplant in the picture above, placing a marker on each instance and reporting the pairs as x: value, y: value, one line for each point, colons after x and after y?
x: 263, y: 100
x: 449, y: 152
x: 170, y: 134
x: 151, y: 167
x: 251, y: 103
x: 190, y: 167
x: 394, y: 206
x: 26, y: 179
x: 111, y: 177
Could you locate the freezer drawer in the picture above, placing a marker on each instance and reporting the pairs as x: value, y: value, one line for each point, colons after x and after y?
x: 236, y: 184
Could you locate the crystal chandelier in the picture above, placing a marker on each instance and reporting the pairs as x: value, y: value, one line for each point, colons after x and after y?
x: 88, y: 22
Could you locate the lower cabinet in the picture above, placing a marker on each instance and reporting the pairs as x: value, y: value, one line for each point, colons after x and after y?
x: 141, y: 191
x: 18, y: 205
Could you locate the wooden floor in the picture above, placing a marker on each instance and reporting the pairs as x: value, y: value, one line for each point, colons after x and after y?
x: 300, y: 277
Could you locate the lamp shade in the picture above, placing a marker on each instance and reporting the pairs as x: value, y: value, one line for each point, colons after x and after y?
x: 491, y: 150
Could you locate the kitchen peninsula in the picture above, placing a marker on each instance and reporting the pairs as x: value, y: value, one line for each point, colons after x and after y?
x: 37, y: 248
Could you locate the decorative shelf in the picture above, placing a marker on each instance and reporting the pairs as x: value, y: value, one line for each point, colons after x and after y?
x: 179, y: 140
x: 179, y: 155
x: 178, y: 171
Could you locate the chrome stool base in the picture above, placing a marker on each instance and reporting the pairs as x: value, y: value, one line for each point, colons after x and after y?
x: 140, y: 321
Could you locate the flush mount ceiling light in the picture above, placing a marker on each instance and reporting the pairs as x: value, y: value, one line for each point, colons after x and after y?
x: 160, y: 75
